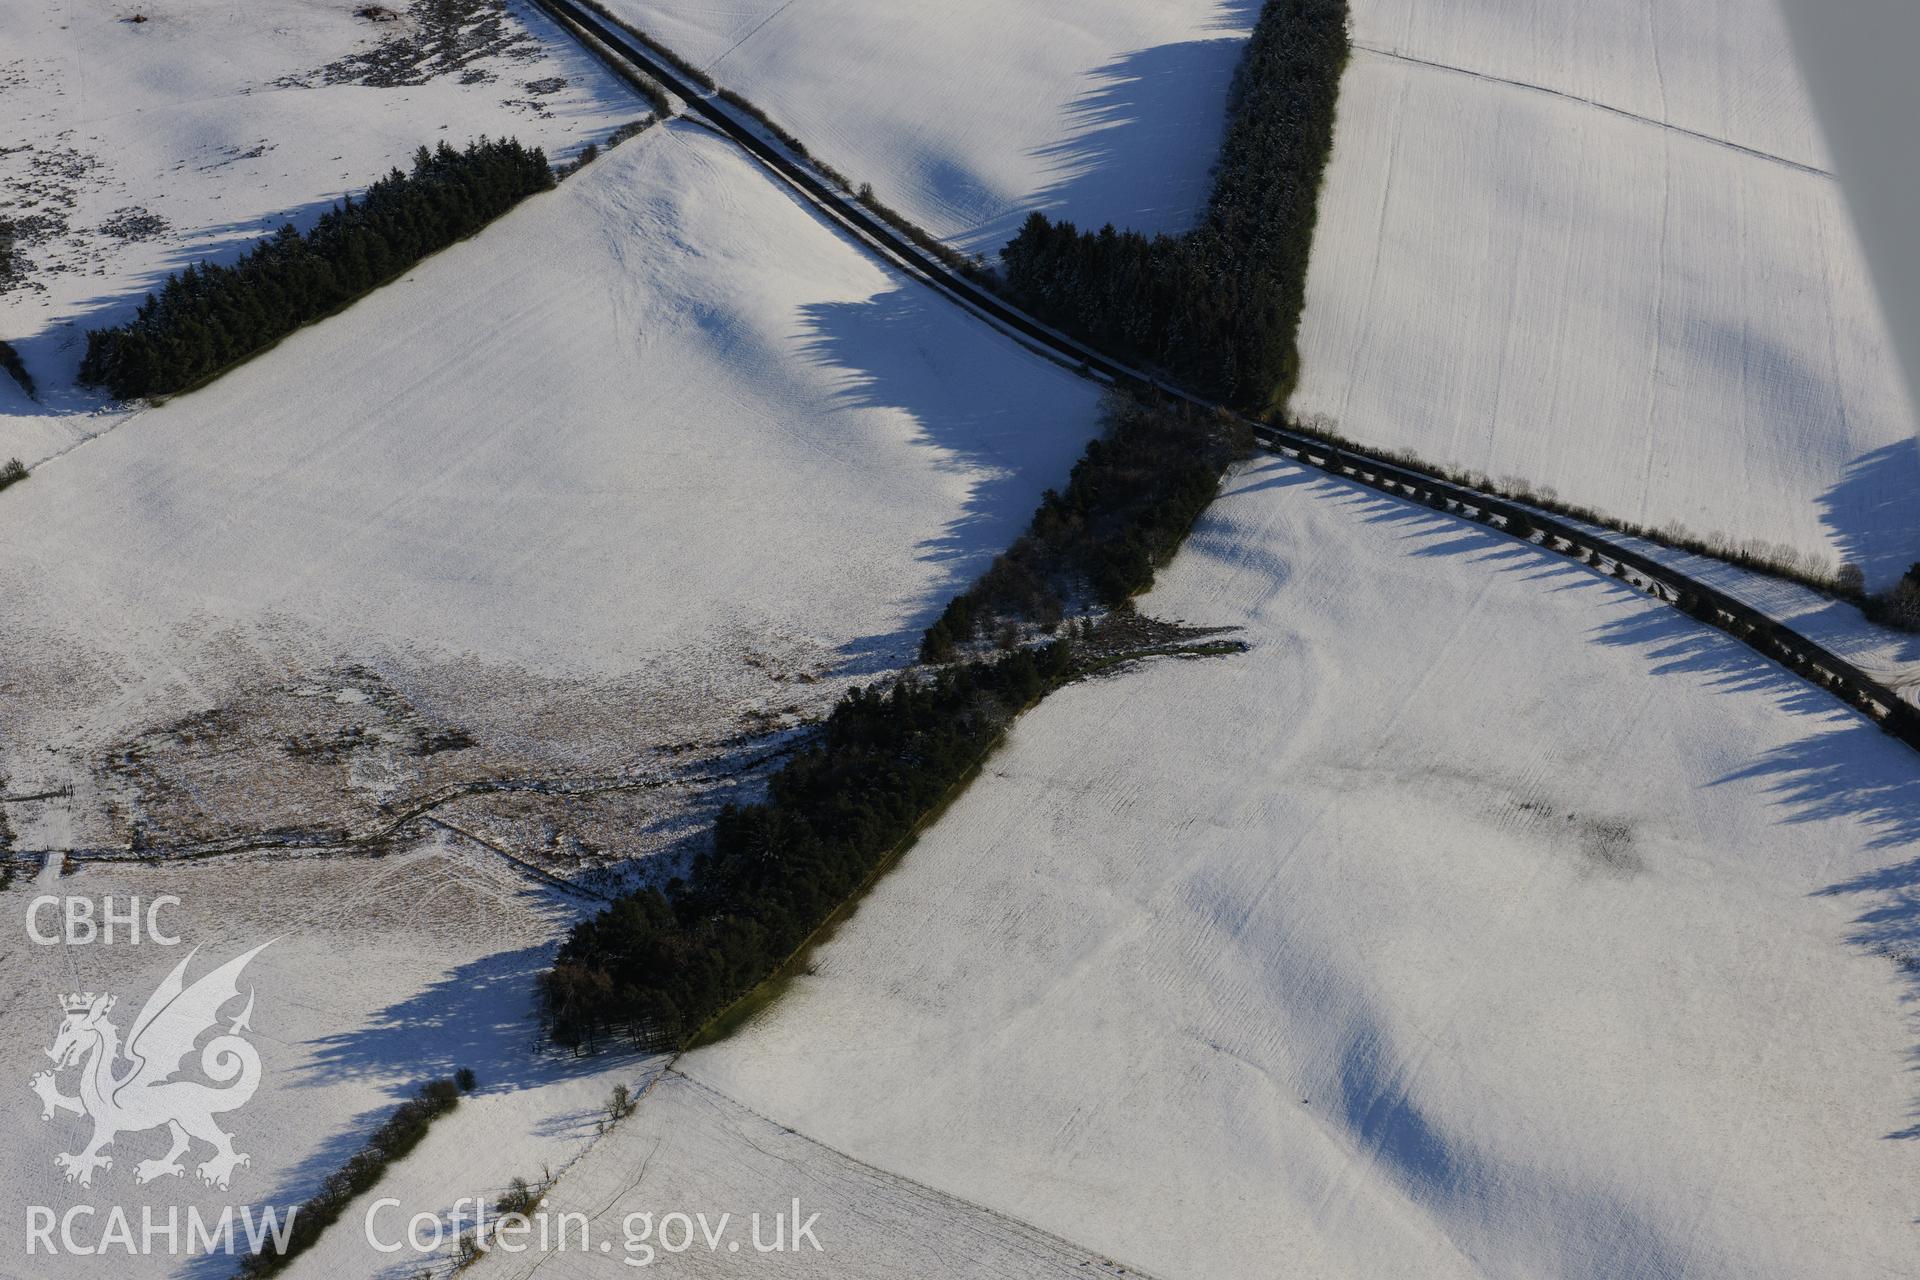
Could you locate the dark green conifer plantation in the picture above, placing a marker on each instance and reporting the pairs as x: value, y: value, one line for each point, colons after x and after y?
x: 207, y: 318
x: 1217, y: 308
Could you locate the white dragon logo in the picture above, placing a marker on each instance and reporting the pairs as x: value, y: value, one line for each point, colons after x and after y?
x: 144, y: 1095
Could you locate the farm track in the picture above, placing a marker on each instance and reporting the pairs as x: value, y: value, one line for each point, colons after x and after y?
x: 1705, y: 603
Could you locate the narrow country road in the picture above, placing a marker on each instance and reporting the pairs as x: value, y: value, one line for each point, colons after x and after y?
x: 1588, y: 545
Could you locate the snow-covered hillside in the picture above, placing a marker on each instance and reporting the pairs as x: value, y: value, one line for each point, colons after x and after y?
x: 691, y: 1151
x: 379, y: 974
x: 135, y: 147
x: 967, y: 117
x: 1596, y: 247
x: 604, y: 498
x: 657, y: 459
x: 1483, y: 920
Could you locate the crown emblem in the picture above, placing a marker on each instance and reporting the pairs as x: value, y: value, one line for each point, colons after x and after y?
x: 80, y: 1003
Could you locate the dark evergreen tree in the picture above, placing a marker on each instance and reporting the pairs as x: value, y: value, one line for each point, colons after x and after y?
x: 206, y: 318
x: 657, y: 965
x: 1127, y: 506
x: 1219, y: 307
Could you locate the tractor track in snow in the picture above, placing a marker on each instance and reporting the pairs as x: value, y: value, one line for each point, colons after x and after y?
x: 1580, y: 542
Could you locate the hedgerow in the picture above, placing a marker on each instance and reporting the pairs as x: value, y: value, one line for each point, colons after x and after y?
x: 398, y: 1134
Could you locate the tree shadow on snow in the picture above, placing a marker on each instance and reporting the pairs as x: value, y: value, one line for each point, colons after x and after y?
x: 1143, y: 137
x: 294, y: 1186
x: 1462, y: 1184
x: 52, y: 353
x: 1874, y: 511
x: 1888, y: 925
x: 479, y: 1016
x: 1014, y: 437
x: 1840, y: 766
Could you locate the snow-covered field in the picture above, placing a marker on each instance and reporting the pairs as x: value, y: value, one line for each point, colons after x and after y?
x: 968, y: 117
x: 1484, y: 920
x: 379, y: 974
x: 134, y: 148
x: 691, y: 1151
x: 1596, y: 247
x: 605, y: 498
x: 658, y: 460
x: 1885, y: 654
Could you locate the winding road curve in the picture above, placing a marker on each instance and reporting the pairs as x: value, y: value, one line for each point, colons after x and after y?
x: 1700, y: 600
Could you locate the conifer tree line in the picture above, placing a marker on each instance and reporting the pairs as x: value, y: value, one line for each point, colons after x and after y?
x: 1127, y: 507
x: 208, y: 317
x: 661, y: 962
x: 1218, y: 307
x: 398, y: 1134
x: 658, y: 964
